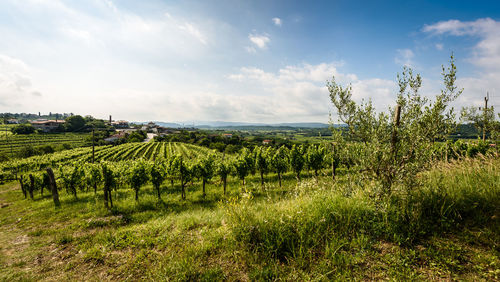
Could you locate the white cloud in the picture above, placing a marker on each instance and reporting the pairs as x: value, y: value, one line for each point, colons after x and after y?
x: 277, y: 21
x: 194, y: 31
x: 250, y: 49
x: 299, y: 93
x: 260, y: 41
x: 485, y: 56
x: 439, y: 46
x: 404, y: 57
x: 15, y: 83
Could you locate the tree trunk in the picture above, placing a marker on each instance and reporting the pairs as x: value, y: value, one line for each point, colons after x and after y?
x: 22, y: 186
x: 224, y: 181
x: 279, y: 178
x: 183, y: 194
x: 73, y: 189
x: 53, y: 187
x: 262, y: 178
x: 32, y: 186
x: 136, y: 195
x: 110, y: 198
x: 204, y: 194
x: 106, y: 194
x: 172, y: 182
x: 95, y: 188
x: 334, y: 167
x: 158, y: 191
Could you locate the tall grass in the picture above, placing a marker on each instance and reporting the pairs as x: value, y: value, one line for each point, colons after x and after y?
x: 309, y: 226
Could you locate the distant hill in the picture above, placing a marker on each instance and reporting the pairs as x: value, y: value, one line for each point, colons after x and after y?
x: 229, y: 124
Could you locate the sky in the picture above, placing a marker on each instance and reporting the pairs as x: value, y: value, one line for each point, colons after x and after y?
x: 231, y: 60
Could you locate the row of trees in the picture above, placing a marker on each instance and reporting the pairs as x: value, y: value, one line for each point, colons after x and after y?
x: 112, y: 175
x: 262, y: 160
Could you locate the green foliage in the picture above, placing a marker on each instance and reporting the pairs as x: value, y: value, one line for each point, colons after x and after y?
x: 262, y: 161
x: 74, y: 123
x: 315, y: 158
x: 23, y: 129
x: 297, y: 159
x: 244, y: 165
x: 72, y: 177
x: 138, y: 176
x: 483, y: 120
x: 396, y: 151
x: 300, y: 229
x: 108, y: 175
x: 279, y: 161
x: 137, y: 136
x: 158, y: 174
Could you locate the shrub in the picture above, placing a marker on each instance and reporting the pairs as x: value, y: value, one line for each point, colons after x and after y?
x: 23, y: 129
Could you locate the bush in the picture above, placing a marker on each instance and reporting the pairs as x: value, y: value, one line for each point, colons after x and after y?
x: 27, y: 151
x: 23, y: 129
x: 46, y: 149
x: 64, y: 146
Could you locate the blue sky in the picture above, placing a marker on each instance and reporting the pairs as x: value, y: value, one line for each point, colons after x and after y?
x: 254, y: 61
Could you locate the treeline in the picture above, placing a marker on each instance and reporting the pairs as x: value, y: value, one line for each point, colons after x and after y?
x: 74, y: 123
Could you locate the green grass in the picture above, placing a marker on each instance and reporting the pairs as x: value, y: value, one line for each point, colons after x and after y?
x: 446, y: 228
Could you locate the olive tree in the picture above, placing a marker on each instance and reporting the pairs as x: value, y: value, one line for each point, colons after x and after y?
x: 396, y: 149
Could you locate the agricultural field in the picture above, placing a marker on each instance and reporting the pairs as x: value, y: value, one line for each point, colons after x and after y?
x: 300, y: 230
x: 11, y: 144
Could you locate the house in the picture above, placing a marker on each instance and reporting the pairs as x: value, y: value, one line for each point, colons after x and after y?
x: 267, y: 142
x: 115, y: 137
x: 227, y: 135
x: 47, y: 125
x: 120, y: 124
x: 12, y: 121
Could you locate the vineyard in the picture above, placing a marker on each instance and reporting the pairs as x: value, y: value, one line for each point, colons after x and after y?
x: 11, y: 144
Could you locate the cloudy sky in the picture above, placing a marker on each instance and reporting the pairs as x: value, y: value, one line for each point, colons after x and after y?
x: 232, y: 60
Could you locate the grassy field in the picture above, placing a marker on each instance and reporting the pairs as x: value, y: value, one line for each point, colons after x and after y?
x: 445, y: 228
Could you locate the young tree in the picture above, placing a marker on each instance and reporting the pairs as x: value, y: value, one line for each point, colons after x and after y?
x: 337, y: 154
x: 395, y: 150
x: 158, y: 175
x: 93, y: 176
x: 72, y: 178
x: 243, y: 165
x: 109, y: 180
x: 223, y: 170
x: 315, y: 158
x: 279, y: 161
x: 484, y: 121
x: 241, y: 169
x: 183, y: 171
x: 261, y: 162
x: 297, y: 160
x: 205, y: 169
x: 138, y: 176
